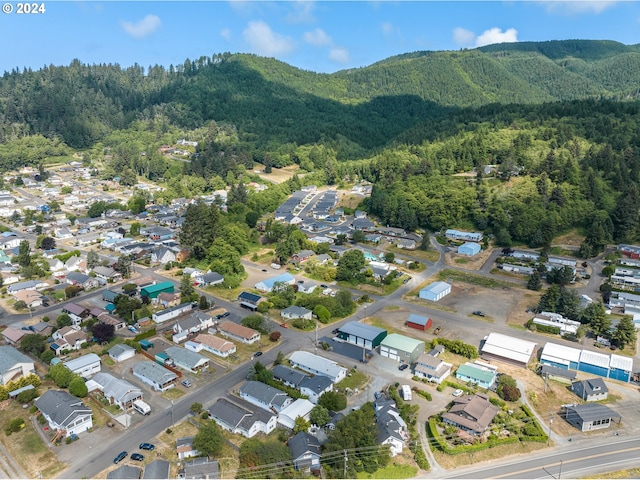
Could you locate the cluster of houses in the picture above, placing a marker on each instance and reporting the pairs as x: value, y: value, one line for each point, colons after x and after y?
x: 259, y: 407
x: 324, y: 222
x: 525, y: 262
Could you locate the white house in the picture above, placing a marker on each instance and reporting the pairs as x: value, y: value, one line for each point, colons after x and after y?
x: 85, y: 365
x: 299, y: 408
x: 158, y: 377
x: 64, y: 413
x: 294, y: 311
x: 14, y: 364
x: 121, y: 352
x: 216, y: 345
x: 242, y: 418
x: 317, y: 365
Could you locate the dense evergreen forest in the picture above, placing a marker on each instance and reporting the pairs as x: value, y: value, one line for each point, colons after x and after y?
x: 557, y: 120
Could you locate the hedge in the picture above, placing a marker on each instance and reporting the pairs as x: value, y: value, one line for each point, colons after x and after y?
x: 31, y: 379
x: 145, y: 335
x: 458, y: 347
x: 543, y: 328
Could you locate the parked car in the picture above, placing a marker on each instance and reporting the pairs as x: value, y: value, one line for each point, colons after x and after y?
x: 147, y: 446
x: 404, y: 366
x: 437, y: 330
x: 225, y: 314
x: 186, y: 383
x: 265, y: 270
x: 133, y: 329
x: 457, y: 393
x: 479, y: 313
x: 121, y: 456
x: 138, y: 457
x: 257, y: 354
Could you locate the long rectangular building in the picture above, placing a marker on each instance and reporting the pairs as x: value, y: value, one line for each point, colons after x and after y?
x: 611, y: 366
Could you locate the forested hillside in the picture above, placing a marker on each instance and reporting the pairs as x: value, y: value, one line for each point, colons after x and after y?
x: 267, y: 100
x: 558, y: 122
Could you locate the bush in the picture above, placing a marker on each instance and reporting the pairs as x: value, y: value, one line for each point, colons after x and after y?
x: 16, y: 424
x: 27, y: 395
x: 275, y: 336
x: 458, y: 347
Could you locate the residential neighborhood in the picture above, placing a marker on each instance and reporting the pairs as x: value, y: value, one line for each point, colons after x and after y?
x: 152, y: 334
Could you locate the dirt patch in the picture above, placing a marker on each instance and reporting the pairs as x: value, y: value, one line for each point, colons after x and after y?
x: 466, y: 261
x: 527, y: 300
x: 573, y: 238
x: 350, y: 200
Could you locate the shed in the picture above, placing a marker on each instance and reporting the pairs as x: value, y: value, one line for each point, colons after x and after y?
x: 418, y: 322
x: 401, y: 348
x: 146, y: 344
x: 366, y: 336
x: 469, y: 248
x: 591, y: 416
x: 435, y: 291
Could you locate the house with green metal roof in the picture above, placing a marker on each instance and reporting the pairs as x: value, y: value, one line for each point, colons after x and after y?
x: 480, y: 374
x: 401, y: 348
x: 152, y: 291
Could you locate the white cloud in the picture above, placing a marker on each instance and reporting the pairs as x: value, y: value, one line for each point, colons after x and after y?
x: 387, y: 28
x: 317, y: 37
x: 463, y: 36
x: 226, y: 34
x: 143, y: 28
x: 496, y: 35
x: 577, y: 7
x: 339, y: 55
x: 265, y: 41
x: 302, y: 12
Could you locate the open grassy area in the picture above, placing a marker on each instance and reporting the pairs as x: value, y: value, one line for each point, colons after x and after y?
x: 394, y: 470
x: 355, y: 379
x: 630, y: 473
x: 380, y: 323
x: 26, y: 446
x: 430, y: 255
x: 173, y: 394
x: 488, y: 282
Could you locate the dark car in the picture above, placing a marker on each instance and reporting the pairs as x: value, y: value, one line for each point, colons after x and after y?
x: 257, y: 354
x: 265, y: 270
x: 121, y: 456
x: 479, y: 313
x: 404, y: 366
x: 335, y: 330
x: 225, y: 314
x: 147, y: 446
x: 323, y: 285
x: 138, y: 457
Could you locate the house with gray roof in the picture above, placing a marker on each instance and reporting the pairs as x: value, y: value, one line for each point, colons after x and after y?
x: 242, y: 418
x: 14, y: 364
x: 82, y: 280
x: 289, y: 376
x: 158, y: 469
x: 124, y: 472
x: 28, y: 285
x: 305, y: 452
x: 264, y: 396
x: 317, y: 365
x: 121, y: 352
x: 591, y: 416
x: 314, y: 387
x: 392, y: 429
x: 116, y: 390
x: 158, y: 377
x: 197, y: 322
x: 65, y: 413
x: 184, y: 448
x: 294, y: 311
x: 202, y: 467
x: 591, y: 390
x: 187, y: 360
x: 85, y: 365
x: 209, y: 279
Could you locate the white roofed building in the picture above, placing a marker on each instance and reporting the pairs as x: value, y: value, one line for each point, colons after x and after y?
x: 507, y: 349
x: 317, y: 365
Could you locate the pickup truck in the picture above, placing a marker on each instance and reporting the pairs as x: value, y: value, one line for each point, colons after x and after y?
x: 437, y: 330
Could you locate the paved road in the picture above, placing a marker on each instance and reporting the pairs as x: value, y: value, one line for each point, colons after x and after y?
x: 566, y: 461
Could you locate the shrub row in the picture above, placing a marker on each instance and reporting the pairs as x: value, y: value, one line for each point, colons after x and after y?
x: 31, y: 379
x: 458, y: 347
x: 145, y: 335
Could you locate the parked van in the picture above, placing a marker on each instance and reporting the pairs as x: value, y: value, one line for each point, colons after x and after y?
x: 141, y: 407
x: 406, y: 392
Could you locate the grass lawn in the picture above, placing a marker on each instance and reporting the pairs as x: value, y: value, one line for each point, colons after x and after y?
x: 26, y: 446
x: 631, y: 473
x: 455, y: 275
x: 173, y: 394
x: 380, y: 323
x: 355, y: 379
x: 391, y: 471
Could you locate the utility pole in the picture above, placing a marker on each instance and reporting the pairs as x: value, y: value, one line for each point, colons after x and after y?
x: 550, y: 424
x: 345, y: 464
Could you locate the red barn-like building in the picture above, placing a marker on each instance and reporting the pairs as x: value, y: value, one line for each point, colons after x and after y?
x: 418, y: 322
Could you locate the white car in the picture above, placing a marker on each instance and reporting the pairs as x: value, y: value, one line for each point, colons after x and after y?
x: 457, y: 393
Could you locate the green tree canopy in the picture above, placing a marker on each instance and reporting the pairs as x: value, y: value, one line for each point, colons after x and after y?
x: 209, y: 440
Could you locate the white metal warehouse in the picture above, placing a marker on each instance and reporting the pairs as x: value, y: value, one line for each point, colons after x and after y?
x: 507, y: 349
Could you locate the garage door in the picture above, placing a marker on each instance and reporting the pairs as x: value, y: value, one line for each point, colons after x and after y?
x: 392, y: 354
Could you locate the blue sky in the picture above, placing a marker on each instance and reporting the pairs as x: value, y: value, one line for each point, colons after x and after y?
x: 322, y: 36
